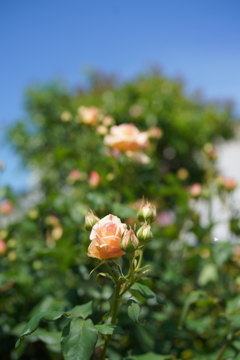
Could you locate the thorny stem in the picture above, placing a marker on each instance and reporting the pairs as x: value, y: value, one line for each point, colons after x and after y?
x: 111, y: 273
x: 116, y: 303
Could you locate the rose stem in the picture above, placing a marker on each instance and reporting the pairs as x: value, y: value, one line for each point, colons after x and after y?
x: 116, y: 304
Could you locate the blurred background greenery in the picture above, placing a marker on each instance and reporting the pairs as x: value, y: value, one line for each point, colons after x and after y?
x: 43, y: 243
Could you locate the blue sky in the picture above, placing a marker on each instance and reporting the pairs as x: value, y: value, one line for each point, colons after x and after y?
x: 42, y: 40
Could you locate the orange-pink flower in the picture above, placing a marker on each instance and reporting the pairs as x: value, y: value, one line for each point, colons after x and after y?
x: 105, y: 238
x: 126, y: 137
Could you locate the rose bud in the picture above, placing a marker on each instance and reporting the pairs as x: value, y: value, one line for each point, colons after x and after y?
x: 3, y: 246
x: 94, y: 179
x: 144, y: 234
x: 129, y: 241
x: 230, y: 184
x: 6, y: 207
x: 196, y: 190
x: 90, y: 221
x: 147, y: 213
x: 89, y: 115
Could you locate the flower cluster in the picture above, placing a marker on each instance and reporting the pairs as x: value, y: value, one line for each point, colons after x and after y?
x: 110, y: 238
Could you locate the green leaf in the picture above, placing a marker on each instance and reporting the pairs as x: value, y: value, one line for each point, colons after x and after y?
x: 208, y: 273
x: 109, y: 329
x: 82, y: 311
x: 33, y: 324
x: 233, y: 304
x: 134, y: 311
x: 191, y: 299
x: 149, y: 356
x: 78, y: 339
x: 146, y: 292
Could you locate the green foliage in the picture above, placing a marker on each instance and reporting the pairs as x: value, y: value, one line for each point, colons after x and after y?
x: 45, y: 268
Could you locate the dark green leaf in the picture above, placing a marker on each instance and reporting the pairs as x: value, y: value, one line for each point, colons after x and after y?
x: 78, y: 339
x: 82, y: 311
x: 32, y: 325
x: 134, y: 311
x: 109, y: 329
x: 146, y: 292
x: 233, y: 304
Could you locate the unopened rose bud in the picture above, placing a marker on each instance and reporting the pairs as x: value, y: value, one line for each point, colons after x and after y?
x: 108, y: 121
x: 129, y: 241
x: 196, y: 190
x: 6, y: 207
x: 147, y: 213
x: 3, y: 246
x: 66, y: 116
x: 210, y: 151
x: 90, y: 221
x: 155, y: 132
x: 94, y: 179
x: 144, y: 234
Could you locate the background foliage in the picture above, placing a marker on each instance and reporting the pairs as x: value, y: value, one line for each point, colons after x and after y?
x: 45, y: 266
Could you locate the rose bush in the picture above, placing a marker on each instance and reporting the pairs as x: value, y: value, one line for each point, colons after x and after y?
x: 44, y: 264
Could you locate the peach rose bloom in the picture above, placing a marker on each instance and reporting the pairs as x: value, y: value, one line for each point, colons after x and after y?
x: 89, y: 115
x: 105, y: 238
x: 126, y: 137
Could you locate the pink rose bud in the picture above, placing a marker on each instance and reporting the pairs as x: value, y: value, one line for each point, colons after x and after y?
x: 147, y: 213
x: 90, y: 221
x: 3, y: 246
x: 155, y: 132
x: 196, y: 189
x: 75, y: 175
x: 230, y: 184
x: 210, y: 151
x: 94, y: 179
x: 6, y: 207
x: 144, y: 234
x: 129, y: 241
x: 108, y: 121
x: 102, y: 130
x: 52, y: 220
